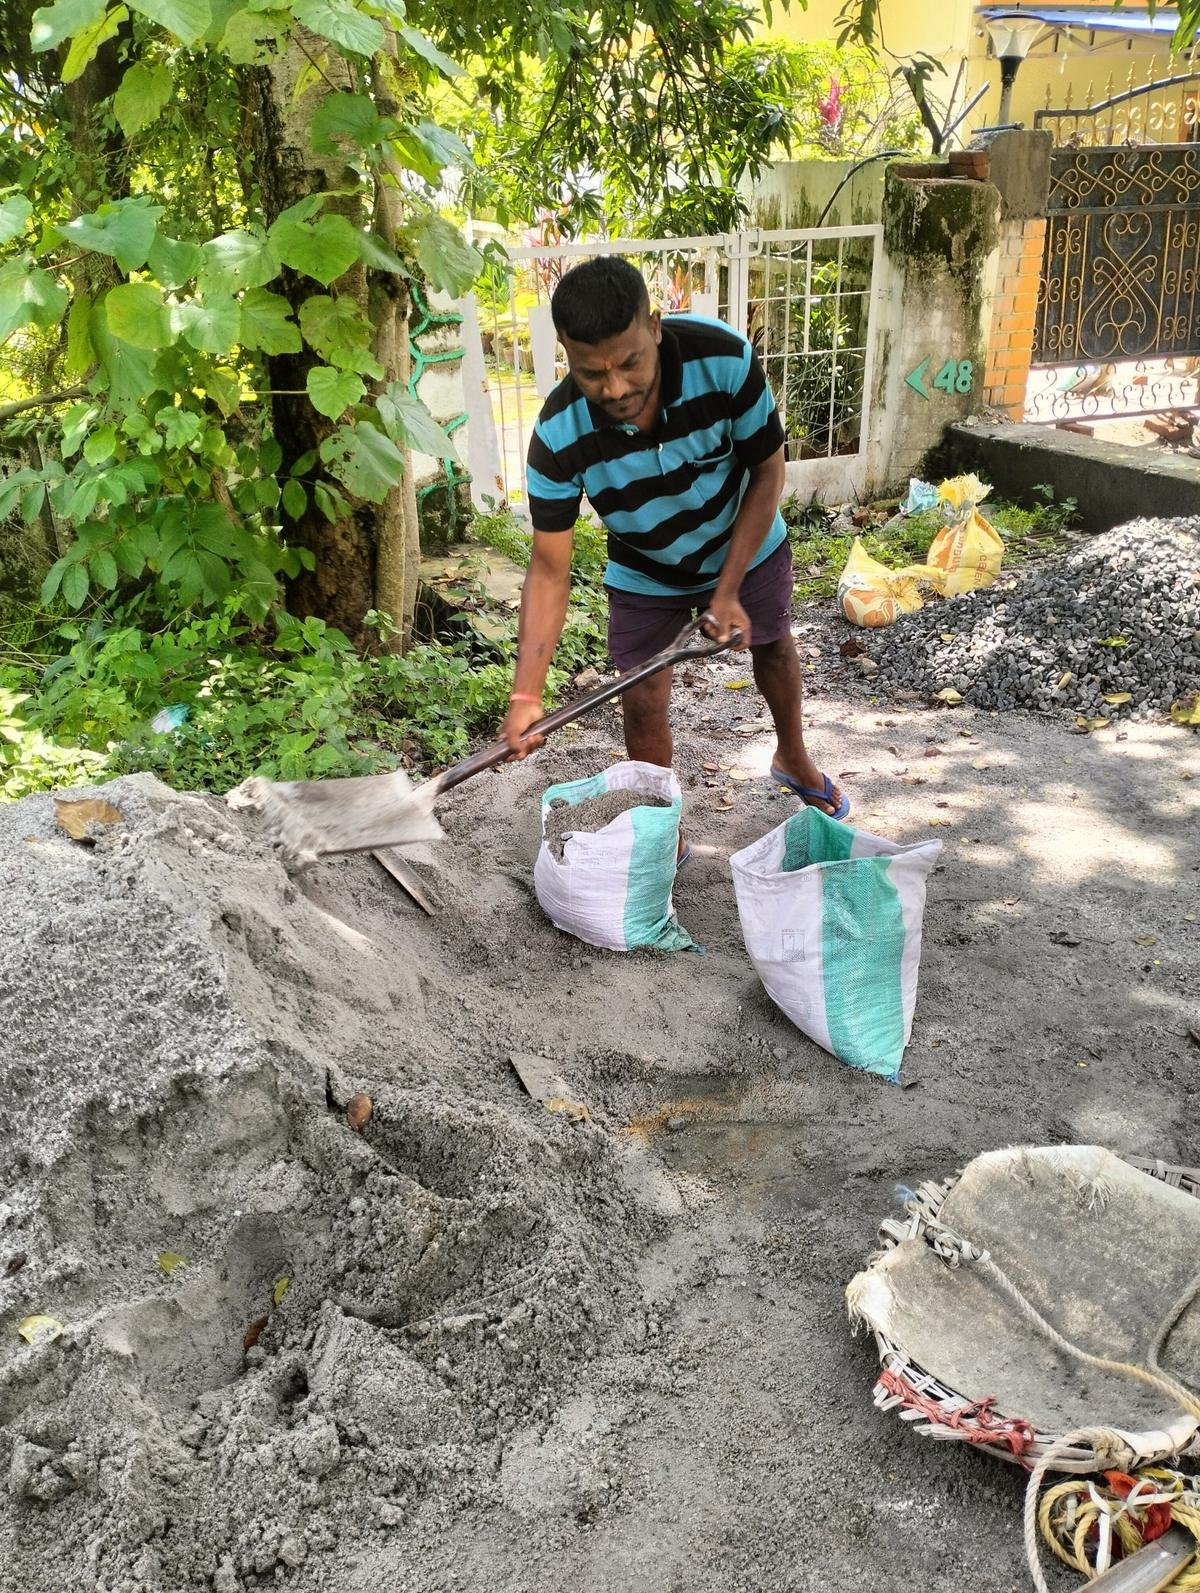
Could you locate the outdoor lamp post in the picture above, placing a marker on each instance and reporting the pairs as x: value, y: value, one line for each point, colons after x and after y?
x: 1011, y: 38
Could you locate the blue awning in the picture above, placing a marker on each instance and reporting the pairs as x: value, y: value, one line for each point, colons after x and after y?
x: 1089, y: 19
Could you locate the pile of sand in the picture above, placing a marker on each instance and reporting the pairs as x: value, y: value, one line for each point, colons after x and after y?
x: 182, y: 1026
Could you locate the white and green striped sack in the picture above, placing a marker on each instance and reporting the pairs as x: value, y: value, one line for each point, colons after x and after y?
x: 613, y: 886
x: 831, y: 917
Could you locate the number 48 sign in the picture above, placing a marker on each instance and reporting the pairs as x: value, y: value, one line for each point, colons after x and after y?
x: 955, y: 376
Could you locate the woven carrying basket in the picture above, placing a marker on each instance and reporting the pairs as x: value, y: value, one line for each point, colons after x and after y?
x: 936, y: 1411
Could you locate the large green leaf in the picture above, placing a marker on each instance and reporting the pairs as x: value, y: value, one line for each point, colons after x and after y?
x: 323, y: 249
x: 332, y: 392
x: 14, y: 214
x: 238, y: 260
x: 81, y: 356
x: 52, y: 24
x: 350, y: 116
x: 172, y: 261
x: 223, y: 386
x: 212, y: 323
x: 255, y: 38
x: 341, y: 23
x: 144, y: 90
x: 295, y: 499
x: 267, y: 323
x: 124, y: 228
x: 407, y: 421
x: 86, y: 44
x: 136, y: 314
x: 334, y: 327
x: 186, y: 19
x: 29, y: 295
x: 444, y: 255
x: 75, y: 585
x: 378, y: 256
x: 429, y: 52
x: 127, y: 375
x: 428, y: 149
x: 103, y: 569
x: 367, y: 463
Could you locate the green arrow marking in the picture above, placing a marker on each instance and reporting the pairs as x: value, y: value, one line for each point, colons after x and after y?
x: 916, y: 379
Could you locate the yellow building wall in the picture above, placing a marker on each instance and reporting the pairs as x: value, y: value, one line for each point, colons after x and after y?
x: 1075, y: 69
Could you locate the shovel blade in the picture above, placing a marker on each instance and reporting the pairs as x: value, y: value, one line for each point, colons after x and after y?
x: 308, y: 819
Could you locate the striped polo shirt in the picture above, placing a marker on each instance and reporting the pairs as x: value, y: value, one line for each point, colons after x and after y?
x: 668, y: 498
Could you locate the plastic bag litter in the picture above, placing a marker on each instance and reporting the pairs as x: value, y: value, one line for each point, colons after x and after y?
x: 831, y: 917
x: 921, y: 496
x: 613, y: 886
x: 968, y: 551
x: 872, y: 595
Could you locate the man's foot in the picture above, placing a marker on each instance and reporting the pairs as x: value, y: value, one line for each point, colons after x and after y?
x: 815, y: 790
x: 685, y: 849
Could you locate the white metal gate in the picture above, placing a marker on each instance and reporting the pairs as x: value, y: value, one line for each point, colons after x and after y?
x: 806, y: 299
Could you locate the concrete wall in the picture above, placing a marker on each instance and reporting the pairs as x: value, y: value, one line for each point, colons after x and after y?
x: 793, y: 193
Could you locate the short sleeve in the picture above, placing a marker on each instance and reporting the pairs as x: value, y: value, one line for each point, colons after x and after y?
x: 554, y: 497
x: 757, y: 431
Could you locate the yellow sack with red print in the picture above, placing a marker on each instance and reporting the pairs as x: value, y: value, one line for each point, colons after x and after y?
x: 873, y: 595
x: 968, y: 552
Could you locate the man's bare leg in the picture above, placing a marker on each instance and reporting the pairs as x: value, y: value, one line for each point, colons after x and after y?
x: 778, y: 676
x: 647, y: 724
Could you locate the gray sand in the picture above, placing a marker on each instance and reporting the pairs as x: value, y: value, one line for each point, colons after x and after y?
x: 563, y: 818
x: 521, y: 1355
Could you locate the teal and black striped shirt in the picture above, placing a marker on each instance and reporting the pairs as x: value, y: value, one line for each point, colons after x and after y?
x: 668, y: 498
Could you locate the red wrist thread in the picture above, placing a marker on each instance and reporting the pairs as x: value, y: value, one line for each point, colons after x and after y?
x: 522, y: 696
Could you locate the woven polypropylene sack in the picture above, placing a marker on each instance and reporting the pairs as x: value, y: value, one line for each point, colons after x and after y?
x: 831, y: 917
x: 613, y: 886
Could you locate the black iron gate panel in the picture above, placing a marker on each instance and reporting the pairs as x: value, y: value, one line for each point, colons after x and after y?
x: 1121, y: 272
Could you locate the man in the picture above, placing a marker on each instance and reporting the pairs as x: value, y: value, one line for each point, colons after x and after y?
x: 672, y: 433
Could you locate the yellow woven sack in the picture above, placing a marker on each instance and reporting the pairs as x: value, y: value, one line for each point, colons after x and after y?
x: 968, y: 551
x: 872, y: 595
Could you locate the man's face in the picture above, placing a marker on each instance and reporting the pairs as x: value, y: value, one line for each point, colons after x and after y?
x: 619, y: 374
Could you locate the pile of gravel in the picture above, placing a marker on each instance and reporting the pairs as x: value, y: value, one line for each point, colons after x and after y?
x: 564, y: 818
x: 1119, y: 614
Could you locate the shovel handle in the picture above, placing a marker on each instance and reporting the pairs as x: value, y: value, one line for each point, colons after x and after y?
x: 690, y: 643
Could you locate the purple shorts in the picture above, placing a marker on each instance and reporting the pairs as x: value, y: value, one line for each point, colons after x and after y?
x: 641, y: 624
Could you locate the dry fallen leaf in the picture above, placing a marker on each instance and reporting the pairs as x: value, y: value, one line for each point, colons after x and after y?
x: 980, y: 763
x: 711, y: 768
x: 1116, y: 698
x: 358, y: 1112
x: 949, y: 696
x: 933, y: 752
x: 736, y: 685
x: 852, y: 647
x: 77, y: 817
x: 949, y: 636
x: 573, y: 1111
x: 1064, y: 679
x: 1145, y: 940
x: 40, y: 1329
x: 254, y: 1332
x: 740, y: 774
x: 168, y: 1260
x: 280, y: 1289
x: 1187, y: 710
x: 942, y: 823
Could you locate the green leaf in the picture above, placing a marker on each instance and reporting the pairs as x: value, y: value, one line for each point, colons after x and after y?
x: 53, y: 24
x: 100, y: 445
x: 14, y: 213
x: 179, y: 426
x: 103, y: 570
x: 303, y: 210
x: 255, y: 38
x: 332, y: 326
x: 29, y: 294
x: 52, y: 582
x: 449, y: 262
x: 81, y: 356
x: 407, y: 420
x: 186, y: 19
x: 332, y: 392
x: 173, y: 262
x: 323, y: 249
x: 144, y: 90
x: 295, y: 499
x: 351, y: 116
x: 238, y: 260
x: 267, y: 323
x: 342, y: 24
x: 137, y: 314
x: 428, y: 149
x: 76, y: 422
x: 224, y: 387
x: 129, y: 557
x: 330, y: 502
x: 124, y: 228
x: 214, y: 576
x: 127, y: 375
x: 86, y: 44
x: 376, y: 254
x: 211, y: 324
x: 429, y: 52
x: 75, y: 585
x: 367, y: 463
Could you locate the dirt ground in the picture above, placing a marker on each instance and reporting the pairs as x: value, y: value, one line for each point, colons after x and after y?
x: 715, y: 1433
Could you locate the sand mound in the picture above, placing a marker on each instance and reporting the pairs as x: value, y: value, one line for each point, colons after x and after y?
x: 180, y: 1028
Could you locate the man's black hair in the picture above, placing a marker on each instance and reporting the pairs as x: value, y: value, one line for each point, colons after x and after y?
x: 599, y: 299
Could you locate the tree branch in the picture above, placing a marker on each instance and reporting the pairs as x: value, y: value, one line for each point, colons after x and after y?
x: 42, y: 401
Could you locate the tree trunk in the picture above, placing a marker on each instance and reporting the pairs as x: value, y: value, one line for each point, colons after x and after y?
x: 355, y: 554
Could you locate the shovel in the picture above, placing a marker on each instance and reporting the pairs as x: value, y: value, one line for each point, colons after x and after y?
x: 313, y: 818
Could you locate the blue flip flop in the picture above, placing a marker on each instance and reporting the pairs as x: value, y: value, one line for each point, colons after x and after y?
x: 808, y: 795
x: 683, y: 857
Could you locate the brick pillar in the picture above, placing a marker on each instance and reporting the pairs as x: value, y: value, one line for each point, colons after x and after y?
x: 1014, y: 312
x: 1019, y: 166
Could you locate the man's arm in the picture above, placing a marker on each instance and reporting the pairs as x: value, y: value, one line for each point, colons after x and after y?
x: 544, y: 599
x: 753, y: 521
